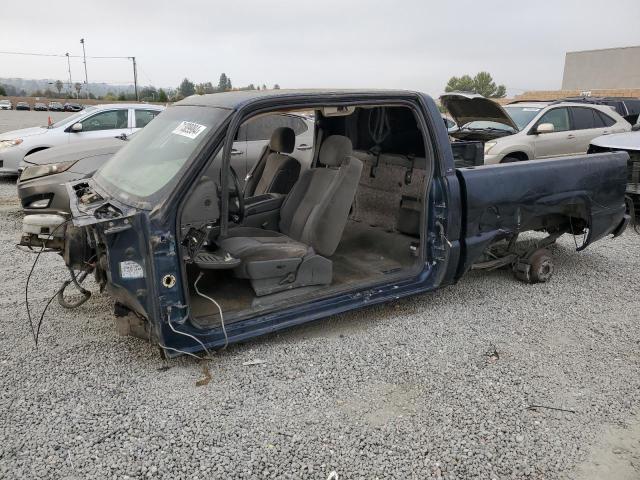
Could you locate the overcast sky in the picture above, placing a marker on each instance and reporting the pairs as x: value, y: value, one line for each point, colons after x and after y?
x: 414, y: 44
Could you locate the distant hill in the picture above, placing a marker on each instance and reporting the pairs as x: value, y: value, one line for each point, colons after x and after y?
x: 25, y: 86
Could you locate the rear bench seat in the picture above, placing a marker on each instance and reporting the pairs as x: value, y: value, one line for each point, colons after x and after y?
x: 390, y: 192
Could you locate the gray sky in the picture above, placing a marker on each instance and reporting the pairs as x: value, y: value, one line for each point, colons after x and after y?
x: 415, y: 44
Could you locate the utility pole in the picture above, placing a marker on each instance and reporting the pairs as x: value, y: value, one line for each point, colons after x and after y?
x: 135, y: 77
x: 84, y: 56
x: 69, y: 66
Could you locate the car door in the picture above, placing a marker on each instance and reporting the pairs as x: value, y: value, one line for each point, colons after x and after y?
x: 142, y: 117
x: 562, y: 141
x: 103, y: 124
x: 586, y: 125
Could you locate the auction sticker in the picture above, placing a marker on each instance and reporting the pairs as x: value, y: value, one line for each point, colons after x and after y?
x: 130, y: 269
x: 189, y: 129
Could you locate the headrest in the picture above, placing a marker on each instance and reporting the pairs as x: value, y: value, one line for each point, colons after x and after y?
x: 334, y: 150
x: 283, y: 139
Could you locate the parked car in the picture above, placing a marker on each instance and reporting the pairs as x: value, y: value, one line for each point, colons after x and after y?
x: 40, y: 107
x: 627, y: 142
x: 452, y: 126
x: 6, y: 105
x: 381, y: 214
x: 56, y: 107
x: 23, y: 106
x: 530, y: 130
x: 101, y: 121
x: 627, y: 107
x: 72, y: 107
x: 41, y: 186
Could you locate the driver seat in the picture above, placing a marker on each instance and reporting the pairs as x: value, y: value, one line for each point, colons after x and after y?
x: 312, y: 220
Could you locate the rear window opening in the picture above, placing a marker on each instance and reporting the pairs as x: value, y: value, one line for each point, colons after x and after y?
x: 318, y: 205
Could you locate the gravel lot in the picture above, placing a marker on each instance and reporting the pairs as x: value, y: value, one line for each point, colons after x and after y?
x: 435, y: 386
x: 15, y: 119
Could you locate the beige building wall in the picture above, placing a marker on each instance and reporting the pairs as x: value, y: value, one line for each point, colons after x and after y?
x: 611, y: 68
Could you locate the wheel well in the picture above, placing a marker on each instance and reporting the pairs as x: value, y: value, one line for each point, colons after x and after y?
x: 519, y: 155
x: 36, y: 150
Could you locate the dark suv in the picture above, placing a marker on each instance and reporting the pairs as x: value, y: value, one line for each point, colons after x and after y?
x: 627, y: 107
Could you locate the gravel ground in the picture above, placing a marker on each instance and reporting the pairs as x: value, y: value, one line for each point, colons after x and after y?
x: 435, y: 386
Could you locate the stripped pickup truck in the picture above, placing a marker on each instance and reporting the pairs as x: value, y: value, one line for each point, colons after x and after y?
x: 195, y: 262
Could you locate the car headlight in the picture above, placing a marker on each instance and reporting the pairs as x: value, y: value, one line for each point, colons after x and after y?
x: 10, y: 143
x: 488, y: 146
x: 44, y: 170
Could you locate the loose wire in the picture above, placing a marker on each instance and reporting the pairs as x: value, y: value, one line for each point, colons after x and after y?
x: 224, y: 330
x: 35, y: 333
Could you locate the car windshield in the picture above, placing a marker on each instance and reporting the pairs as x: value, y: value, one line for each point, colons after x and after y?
x: 522, y: 116
x: 71, y: 118
x: 159, y: 152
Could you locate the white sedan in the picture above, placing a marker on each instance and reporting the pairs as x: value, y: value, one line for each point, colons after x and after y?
x: 100, y: 121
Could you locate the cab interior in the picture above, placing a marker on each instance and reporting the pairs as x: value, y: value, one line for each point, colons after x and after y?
x: 352, y: 218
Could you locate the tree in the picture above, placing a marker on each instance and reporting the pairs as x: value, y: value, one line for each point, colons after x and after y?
x: 122, y: 97
x: 148, y: 94
x: 187, y: 88
x: 162, y: 96
x: 59, y: 86
x: 482, y: 83
x: 78, y: 87
x: 276, y: 87
x: 224, y: 84
x: 264, y: 87
x: 205, y: 88
x: 3, y: 92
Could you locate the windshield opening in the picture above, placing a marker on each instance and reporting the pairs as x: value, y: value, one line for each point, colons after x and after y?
x: 155, y: 156
x: 71, y: 118
x: 522, y: 116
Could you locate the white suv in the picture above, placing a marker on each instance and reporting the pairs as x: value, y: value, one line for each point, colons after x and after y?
x: 528, y: 130
x: 100, y: 121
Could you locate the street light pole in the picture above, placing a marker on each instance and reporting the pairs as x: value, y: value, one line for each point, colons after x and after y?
x: 84, y: 56
x: 69, y: 66
x: 135, y: 77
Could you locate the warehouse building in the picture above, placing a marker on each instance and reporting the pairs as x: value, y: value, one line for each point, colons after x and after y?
x: 609, y: 68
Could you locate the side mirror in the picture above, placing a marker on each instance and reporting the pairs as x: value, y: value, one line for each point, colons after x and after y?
x: 76, y: 127
x: 545, y: 128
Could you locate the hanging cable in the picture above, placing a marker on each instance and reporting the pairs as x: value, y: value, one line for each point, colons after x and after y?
x: 185, y: 333
x: 35, y: 332
x: 224, y: 330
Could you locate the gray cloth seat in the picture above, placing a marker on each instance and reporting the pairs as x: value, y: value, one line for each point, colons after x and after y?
x: 312, y: 220
x: 277, y: 172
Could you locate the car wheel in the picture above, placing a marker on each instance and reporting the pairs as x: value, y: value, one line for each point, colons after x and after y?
x: 537, y: 268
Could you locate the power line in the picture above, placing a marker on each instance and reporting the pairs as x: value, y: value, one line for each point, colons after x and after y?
x: 58, y: 55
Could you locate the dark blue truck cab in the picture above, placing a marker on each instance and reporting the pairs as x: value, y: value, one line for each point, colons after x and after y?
x: 194, y: 263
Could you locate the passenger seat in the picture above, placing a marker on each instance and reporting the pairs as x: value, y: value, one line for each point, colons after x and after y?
x: 276, y: 171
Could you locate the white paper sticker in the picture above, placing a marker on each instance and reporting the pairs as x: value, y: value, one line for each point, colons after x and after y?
x: 530, y: 109
x: 130, y: 269
x: 189, y: 129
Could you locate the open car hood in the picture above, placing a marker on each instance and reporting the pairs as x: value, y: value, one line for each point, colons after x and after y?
x: 471, y: 107
x: 619, y: 141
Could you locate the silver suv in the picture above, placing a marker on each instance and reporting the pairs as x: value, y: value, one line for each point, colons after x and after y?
x: 528, y: 130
